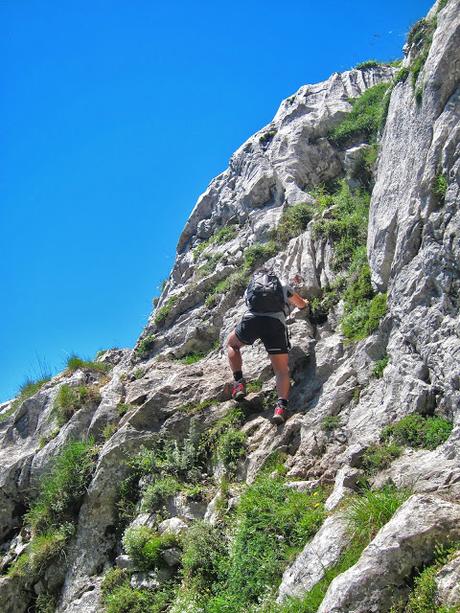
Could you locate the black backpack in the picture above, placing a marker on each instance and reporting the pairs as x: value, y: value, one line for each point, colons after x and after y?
x: 265, y: 293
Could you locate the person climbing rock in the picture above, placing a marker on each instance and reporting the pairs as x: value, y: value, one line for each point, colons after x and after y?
x: 269, y: 302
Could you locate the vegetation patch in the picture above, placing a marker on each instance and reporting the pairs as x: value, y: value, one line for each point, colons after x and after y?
x: 44, y: 440
x: 366, y: 514
x: 379, y: 456
x: 145, y: 546
x: 367, y: 64
x: 257, y: 254
x: 62, y: 490
x: 26, y: 390
x: 420, y: 39
x: 70, y: 399
x: 363, y: 170
x: 74, y: 362
x: 380, y: 366
x: 365, y: 117
x: 230, y: 448
x: 163, y: 312
x: 440, y: 187
x: 192, y: 408
x: 267, y: 137
x: 210, y: 266
x: 123, y: 408
x: 418, y: 431
x: 401, y: 75
x: 294, y: 220
x: 222, y: 236
x: 330, y: 422
x: 254, y: 386
x: 236, y: 283
x: 145, y: 346
x: 126, y: 599
x: 157, y: 492
x: 204, y: 552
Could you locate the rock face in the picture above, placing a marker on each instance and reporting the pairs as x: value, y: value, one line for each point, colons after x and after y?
x: 338, y: 406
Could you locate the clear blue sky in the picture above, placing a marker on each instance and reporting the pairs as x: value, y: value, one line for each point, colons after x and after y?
x: 114, y: 117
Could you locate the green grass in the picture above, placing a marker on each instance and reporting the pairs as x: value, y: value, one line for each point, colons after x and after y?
x: 192, y: 408
x: 63, y: 488
x: 193, y: 358
x: 267, y: 137
x: 220, y: 237
x: 366, y: 514
x: 74, y: 362
x: 145, y: 546
x: 163, y: 312
x: 367, y: 64
x: 365, y: 318
x: 365, y: 117
x: 145, y: 346
x: 126, y: 599
x: 294, y: 221
x: 210, y: 265
x: 157, y: 492
x: 123, y: 408
x: 44, y: 440
x: 418, y: 431
x: 420, y: 38
x: 231, y: 446
x: 204, y: 552
x: 379, y: 456
x: 380, y: 366
x: 401, y: 75
x: 330, y: 422
x: 26, y: 390
x: 46, y: 603
x: 254, y: 386
x: 109, y: 430
x: 236, y: 283
x: 440, y: 187
x: 272, y: 524
x: 70, y: 399
x: 43, y: 549
x: 363, y: 170
x: 257, y: 254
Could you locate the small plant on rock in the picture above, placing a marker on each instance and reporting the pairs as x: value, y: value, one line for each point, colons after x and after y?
x: 380, y: 366
x: 74, y: 362
x: 440, y: 187
x: 70, y: 399
x: 418, y: 431
x: 145, y: 546
x: 330, y: 422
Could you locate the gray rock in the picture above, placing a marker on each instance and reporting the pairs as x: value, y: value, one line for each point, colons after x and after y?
x: 345, y: 483
x: 173, y: 525
x: 448, y: 583
x: 405, y: 543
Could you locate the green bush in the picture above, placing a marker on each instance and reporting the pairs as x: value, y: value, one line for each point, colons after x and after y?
x: 401, y: 75
x: 231, y: 446
x: 266, y: 137
x: 440, y: 187
x: 294, y: 220
x: 364, y: 318
x: 418, y: 431
x: 330, y: 422
x: 43, y: 549
x: 113, y: 578
x: 272, y: 523
x: 378, y: 457
x: 205, y: 549
x: 145, y: 346
x: 254, y: 386
x: 364, y: 118
x: 157, y: 492
x: 162, y: 313
x: 70, y: 399
x: 210, y: 266
x: 367, y: 64
x: 123, y: 408
x: 380, y: 366
x: 45, y: 603
x: 236, y: 282
x: 363, y: 170
x: 222, y: 236
x: 146, y: 547
x: 126, y: 599
x: 74, y: 362
x: 63, y: 488
x: 257, y: 254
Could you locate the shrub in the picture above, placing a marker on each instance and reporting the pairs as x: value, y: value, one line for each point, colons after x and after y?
x: 222, y: 236
x: 204, y: 550
x: 257, y: 254
x: 45, y: 603
x: 330, y: 422
x: 123, y: 408
x: 70, y: 399
x: 378, y: 457
x: 74, y: 362
x: 230, y: 448
x: 401, y: 75
x: 272, y: 523
x: 367, y: 64
x: 43, y: 549
x: 380, y: 366
x: 294, y: 220
x: 440, y: 187
x: 364, y: 118
x: 363, y: 170
x: 113, y: 578
x: 109, y: 430
x: 210, y: 265
x: 157, y: 492
x: 192, y: 358
x: 162, y: 313
x: 62, y: 489
x: 267, y: 137
x: 145, y: 546
x: 236, y: 282
x: 364, y: 318
x: 418, y: 431
x: 145, y: 346
x: 126, y: 599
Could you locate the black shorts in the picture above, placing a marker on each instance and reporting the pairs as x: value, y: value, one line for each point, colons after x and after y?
x: 271, y: 331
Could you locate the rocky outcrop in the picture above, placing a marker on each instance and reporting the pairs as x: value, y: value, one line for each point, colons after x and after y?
x: 338, y: 405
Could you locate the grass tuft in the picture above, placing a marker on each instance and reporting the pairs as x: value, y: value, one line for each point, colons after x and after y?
x: 74, y: 362
x: 70, y: 399
x: 380, y: 366
x: 418, y: 431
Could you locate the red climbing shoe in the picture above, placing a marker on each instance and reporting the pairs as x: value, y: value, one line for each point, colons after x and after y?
x: 239, y: 389
x: 279, y: 416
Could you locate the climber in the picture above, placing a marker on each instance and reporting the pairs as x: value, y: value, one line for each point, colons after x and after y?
x: 268, y: 302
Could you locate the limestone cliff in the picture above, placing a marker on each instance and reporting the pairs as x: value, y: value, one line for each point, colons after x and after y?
x: 355, y: 186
